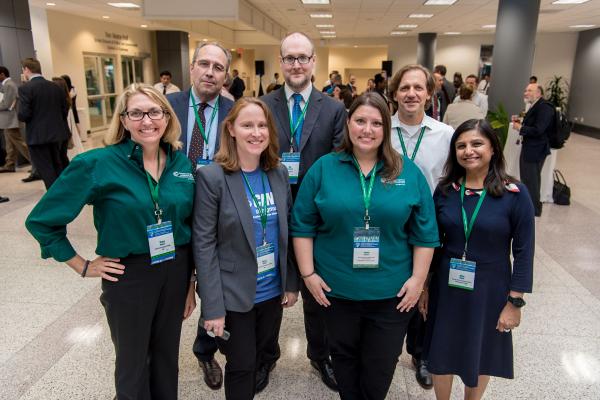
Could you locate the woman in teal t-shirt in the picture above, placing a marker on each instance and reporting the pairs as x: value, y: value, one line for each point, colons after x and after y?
x: 364, y: 231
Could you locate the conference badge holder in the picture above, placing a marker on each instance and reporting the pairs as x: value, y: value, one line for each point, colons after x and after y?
x: 462, y: 274
x: 291, y: 161
x: 161, y: 242
x: 265, y: 259
x: 366, y: 248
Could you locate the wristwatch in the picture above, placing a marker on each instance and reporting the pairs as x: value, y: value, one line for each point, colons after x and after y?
x: 516, y: 301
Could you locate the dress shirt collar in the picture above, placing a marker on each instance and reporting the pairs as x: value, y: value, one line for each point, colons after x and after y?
x: 427, y: 122
x: 305, y: 93
x: 33, y: 76
x: 5, y: 80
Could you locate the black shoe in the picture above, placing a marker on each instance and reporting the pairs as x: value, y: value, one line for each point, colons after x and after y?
x: 423, y: 376
x: 326, y: 371
x: 31, y: 178
x: 3, y: 199
x: 262, y: 376
x: 213, y: 374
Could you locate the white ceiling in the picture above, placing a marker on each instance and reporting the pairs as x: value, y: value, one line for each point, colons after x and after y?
x: 369, y: 21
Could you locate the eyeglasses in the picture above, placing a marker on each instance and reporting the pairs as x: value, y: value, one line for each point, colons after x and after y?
x: 291, y: 60
x: 137, y: 115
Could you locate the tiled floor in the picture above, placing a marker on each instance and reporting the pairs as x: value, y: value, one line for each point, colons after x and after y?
x: 54, y: 341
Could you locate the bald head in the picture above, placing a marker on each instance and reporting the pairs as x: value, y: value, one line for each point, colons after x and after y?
x: 296, y: 38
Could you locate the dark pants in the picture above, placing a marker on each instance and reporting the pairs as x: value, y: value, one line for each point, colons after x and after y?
x: 144, y: 310
x: 317, y: 348
x: 50, y: 160
x: 253, y: 342
x: 205, y: 346
x: 531, y: 176
x: 365, y: 339
x: 415, y: 335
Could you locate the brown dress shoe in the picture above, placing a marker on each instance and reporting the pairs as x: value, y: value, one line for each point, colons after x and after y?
x: 213, y: 375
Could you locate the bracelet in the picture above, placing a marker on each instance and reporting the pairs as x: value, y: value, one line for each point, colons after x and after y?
x: 85, y: 268
x: 308, y: 276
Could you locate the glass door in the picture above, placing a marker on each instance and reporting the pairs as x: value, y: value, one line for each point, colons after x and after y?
x: 100, y: 83
x: 133, y: 71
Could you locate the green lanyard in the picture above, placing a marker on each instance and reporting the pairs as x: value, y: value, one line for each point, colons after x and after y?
x: 293, y: 128
x: 154, y: 190
x: 366, y: 192
x: 205, y: 136
x: 468, y: 225
x: 414, y: 154
x: 262, y: 211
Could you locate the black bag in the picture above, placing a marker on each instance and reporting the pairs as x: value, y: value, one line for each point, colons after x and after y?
x: 561, y: 130
x: 561, y: 193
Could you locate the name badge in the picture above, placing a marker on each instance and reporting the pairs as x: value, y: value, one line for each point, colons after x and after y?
x: 366, y: 248
x: 292, y: 162
x: 265, y: 259
x: 202, y: 162
x: 161, y: 242
x: 462, y: 274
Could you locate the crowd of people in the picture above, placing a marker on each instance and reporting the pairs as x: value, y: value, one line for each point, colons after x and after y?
x: 390, y: 213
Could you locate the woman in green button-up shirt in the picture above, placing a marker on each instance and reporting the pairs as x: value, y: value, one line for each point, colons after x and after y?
x: 364, y: 232
x: 142, y: 191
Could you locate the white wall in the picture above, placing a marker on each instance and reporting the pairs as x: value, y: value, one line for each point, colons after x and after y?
x: 41, y: 40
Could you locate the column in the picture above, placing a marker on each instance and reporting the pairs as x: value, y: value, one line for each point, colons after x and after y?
x: 15, y: 31
x: 514, y: 48
x: 426, y: 49
x: 172, y: 54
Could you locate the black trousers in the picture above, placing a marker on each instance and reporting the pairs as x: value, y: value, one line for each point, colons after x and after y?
x: 49, y: 160
x: 254, y: 341
x: 317, y: 348
x: 144, y: 310
x: 205, y: 346
x: 415, y: 335
x: 531, y: 176
x: 365, y: 338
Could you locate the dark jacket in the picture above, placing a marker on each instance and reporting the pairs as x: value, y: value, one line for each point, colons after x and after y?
x: 535, y: 130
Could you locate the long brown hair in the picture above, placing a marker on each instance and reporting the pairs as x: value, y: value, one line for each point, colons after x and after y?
x: 227, y: 155
x: 392, y: 162
x: 63, y: 85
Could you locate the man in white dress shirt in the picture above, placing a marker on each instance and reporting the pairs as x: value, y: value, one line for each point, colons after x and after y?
x: 480, y: 100
x: 165, y: 86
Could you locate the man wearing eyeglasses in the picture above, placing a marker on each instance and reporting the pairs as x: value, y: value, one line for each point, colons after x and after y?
x: 201, y: 111
x: 310, y: 124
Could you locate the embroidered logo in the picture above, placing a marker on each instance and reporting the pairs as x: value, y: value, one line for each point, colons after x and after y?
x: 184, y: 175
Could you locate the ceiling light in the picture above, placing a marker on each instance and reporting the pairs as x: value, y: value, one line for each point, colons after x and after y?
x: 143, y: 26
x: 325, y: 26
x: 328, y: 36
x: 582, y: 26
x: 420, y: 16
x: 451, y: 33
x: 205, y: 40
x: 124, y: 5
x: 50, y: 4
x: 407, y: 26
x: 315, y: 1
x: 321, y: 15
x: 570, y: 1
x: 395, y: 33
x: 355, y: 46
x: 105, y: 17
x: 488, y: 26
x: 439, y: 2
x: 327, y: 32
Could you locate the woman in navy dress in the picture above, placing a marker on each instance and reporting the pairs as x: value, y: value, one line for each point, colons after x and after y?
x: 475, y: 297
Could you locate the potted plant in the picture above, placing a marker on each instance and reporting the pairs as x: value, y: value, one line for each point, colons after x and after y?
x: 557, y: 92
x: 500, y: 121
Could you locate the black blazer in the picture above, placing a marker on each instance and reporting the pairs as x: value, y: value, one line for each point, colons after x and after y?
x: 535, y: 129
x: 322, y: 131
x: 180, y: 101
x: 43, y: 107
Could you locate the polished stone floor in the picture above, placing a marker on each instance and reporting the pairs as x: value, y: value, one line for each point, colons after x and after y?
x: 55, y: 344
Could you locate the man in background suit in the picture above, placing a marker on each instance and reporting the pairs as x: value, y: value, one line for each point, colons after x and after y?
x: 200, y: 111
x: 43, y: 107
x: 15, y: 144
x: 311, y: 124
x: 537, y: 123
x: 448, y: 86
x: 237, y: 85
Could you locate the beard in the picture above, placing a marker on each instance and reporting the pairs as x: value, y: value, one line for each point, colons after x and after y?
x: 299, y: 85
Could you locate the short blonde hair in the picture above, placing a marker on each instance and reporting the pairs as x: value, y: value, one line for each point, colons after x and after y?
x: 116, y: 131
x: 227, y: 155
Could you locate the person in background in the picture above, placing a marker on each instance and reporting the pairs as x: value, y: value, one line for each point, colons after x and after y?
x: 370, y: 85
x: 9, y: 123
x: 73, y: 95
x: 533, y: 79
x: 225, y: 89
x: 275, y: 78
x: 165, y: 86
x: 450, y: 88
x: 142, y: 193
x: 237, y: 85
x: 368, y: 293
x: 475, y: 295
x: 484, y: 85
x: 352, y: 85
x: 480, y: 100
x: 463, y: 108
x: 74, y: 140
x: 457, y: 82
x: 241, y: 214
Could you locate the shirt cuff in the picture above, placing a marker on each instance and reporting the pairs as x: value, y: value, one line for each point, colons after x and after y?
x: 420, y: 243
x: 61, y: 251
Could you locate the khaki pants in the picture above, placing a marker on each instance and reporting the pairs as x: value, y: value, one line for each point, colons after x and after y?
x: 15, y: 144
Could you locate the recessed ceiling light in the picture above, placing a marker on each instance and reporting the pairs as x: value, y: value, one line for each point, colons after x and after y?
x: 205, y: 40
x: 325, y: 26
x: 143, y: 26
x: 582, y: 26
x: 105, y: 17
x: 570, y: 1
x: 327, y: 32
x: 451, y: 33
x: 439, y: 2
x: 488, y: 26
x: 232, y: 49
x: 355, y: 46
x: 315, y: 1
x: 420, y: 16
x: 328, y: 36
x: 395, y: 33
x: 50, y: 4
x: 321, y: 15
x: 407, y: 26
x: 124, y: 5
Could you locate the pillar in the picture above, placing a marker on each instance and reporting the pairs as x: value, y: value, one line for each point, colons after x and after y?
x: 426, y: 49
x: 15, y: 31
x: 172, y: 54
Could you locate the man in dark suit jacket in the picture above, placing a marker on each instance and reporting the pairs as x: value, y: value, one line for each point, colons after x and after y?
x: 535, y: 129
x: 317, y: 122
x: 43, y: 107
x: 448, y: 86
x: 237, y: 85
x: 201, y: 109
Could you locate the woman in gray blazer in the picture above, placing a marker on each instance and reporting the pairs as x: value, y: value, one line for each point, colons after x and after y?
x: 240, y: 241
